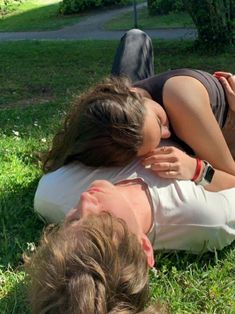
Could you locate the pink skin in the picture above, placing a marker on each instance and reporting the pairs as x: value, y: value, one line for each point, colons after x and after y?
x: 156, y: 126
x: 172, y: 162
x: 104, y: 196
x: 228, y: 82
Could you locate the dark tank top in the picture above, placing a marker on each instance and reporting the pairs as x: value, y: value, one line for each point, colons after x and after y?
x: 155, y: 84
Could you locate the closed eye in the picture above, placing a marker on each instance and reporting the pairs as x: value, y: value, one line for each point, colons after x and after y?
x: 159, y: 123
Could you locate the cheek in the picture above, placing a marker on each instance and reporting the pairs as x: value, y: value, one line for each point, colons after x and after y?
x: 163, y: 117
x: 154, y: 134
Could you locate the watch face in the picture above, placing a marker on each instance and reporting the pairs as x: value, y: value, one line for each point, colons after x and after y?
x: 209, y: 174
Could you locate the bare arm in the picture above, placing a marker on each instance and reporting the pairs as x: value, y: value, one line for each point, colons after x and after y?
x: 172, y: 163
x: 188, y: 107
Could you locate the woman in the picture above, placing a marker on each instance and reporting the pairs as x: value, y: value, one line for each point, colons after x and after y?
x: 130, y: 121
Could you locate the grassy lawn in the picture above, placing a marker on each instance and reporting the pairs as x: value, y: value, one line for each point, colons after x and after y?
x: 40, y: 15
x: 37, y: 84
x: 35, y: 15
x: 172, y: 20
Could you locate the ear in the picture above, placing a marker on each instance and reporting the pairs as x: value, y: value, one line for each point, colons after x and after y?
x: 148, y: 250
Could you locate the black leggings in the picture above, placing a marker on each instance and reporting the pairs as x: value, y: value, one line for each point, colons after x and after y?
x: 134, y: 56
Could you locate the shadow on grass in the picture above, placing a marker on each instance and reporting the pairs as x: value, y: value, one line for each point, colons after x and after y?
x: 16, y: 300
x: 19, y: 225
x: 185, y: 260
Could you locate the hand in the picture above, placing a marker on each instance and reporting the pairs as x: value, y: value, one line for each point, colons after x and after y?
x: 170, y: 162
x: 228, y: 82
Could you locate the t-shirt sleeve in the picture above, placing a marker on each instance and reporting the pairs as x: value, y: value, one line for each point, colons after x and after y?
x: 201, y: 221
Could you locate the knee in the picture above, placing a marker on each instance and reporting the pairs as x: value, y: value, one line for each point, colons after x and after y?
x: 136, y: 33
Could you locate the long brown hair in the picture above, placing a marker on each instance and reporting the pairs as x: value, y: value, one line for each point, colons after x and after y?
x: 92, y: 266
x: 103, y: 128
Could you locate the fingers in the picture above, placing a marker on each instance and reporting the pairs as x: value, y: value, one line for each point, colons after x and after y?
x: 227, y: 80
x: 225, y: 77
x: 228, y: 86
x: 165, y: 170
x: 158, y: 157
x: 164, y: 150
x: 163, y: 161
x: 164, y: 167
x: 219, y: 74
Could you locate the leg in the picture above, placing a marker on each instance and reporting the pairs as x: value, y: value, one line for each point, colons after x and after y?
x: 134, y: 56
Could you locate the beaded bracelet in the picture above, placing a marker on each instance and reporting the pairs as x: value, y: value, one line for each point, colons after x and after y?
x: 197, y: 170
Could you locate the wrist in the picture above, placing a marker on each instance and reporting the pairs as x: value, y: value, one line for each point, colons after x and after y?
x: 198, y: 170
x: 199, y: 177
x: 206, y: 175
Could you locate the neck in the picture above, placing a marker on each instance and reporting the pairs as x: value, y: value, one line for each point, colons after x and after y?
x: 136, y: 192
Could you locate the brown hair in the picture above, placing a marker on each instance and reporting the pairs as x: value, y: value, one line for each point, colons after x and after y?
x: 104, y: 128
x: 91, y: 266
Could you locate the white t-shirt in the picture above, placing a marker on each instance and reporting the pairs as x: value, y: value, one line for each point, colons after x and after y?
x: 185, y: 216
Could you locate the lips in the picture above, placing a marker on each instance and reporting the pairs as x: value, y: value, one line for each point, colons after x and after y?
x: 92, y: 190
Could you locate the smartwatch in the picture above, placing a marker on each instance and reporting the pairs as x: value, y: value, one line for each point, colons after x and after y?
x: 207, y: 174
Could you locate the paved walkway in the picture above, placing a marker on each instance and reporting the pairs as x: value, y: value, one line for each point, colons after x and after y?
x: 92, y: 28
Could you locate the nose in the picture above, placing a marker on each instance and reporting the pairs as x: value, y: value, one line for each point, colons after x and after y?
x: 89, y: 204
x: 165, y: 132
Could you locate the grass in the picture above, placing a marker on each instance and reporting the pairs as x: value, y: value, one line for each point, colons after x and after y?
x: 36, y: 15
x: 36, y: 87
x: 172, y: 20
x: 40, y: 15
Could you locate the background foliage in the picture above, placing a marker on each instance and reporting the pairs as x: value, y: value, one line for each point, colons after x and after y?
x: 78, y: 6
x: 158, y: 7
x: 7, y: 6
x: 213, y: 19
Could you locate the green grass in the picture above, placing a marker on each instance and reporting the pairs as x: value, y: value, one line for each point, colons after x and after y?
x: 172, y: 20
x: 37, y: 81
x: 40, y: 15
x: 35, y: 15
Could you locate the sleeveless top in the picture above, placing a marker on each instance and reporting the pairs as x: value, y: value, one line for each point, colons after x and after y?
x: 155, y: 84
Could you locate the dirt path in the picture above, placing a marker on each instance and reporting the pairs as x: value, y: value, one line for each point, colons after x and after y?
x: 92, y: 28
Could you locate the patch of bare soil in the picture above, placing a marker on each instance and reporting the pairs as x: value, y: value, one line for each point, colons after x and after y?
x: 28, y: 102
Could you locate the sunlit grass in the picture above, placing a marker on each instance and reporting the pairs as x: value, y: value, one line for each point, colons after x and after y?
x: 34, y: 15
x: 37, y: 81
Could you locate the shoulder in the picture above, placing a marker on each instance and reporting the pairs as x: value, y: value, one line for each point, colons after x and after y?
x: 60, y: 190
x: 183, y: 88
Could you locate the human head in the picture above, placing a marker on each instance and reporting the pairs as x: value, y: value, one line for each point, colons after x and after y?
x: 103, y: 196
x: 103, y: 128
x: 95, y: 265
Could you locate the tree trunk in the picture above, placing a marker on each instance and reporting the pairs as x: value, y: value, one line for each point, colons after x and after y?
x: 212, y: 19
